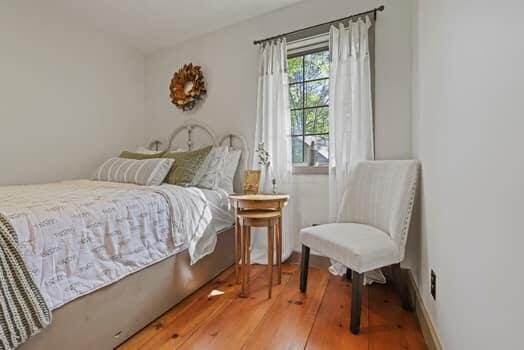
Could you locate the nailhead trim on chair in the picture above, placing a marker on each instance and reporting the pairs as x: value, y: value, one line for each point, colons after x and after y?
x: 407, y: 222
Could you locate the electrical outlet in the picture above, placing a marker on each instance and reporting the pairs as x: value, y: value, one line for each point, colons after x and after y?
x: 433, y: 285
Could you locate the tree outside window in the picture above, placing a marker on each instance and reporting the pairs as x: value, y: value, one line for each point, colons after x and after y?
x: 309, y: 102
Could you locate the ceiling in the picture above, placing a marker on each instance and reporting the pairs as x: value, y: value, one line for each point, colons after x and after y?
x: 150, y: 25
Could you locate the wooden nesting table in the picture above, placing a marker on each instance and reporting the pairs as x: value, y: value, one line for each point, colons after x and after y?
x: 257, y: 210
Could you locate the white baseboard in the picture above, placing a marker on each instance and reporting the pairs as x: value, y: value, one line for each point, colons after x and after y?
x: 428, y: 330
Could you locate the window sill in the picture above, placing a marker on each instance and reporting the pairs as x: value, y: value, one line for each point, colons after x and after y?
x: 310, y: 170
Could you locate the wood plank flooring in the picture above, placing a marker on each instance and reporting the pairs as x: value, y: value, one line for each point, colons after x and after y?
x: 289, y: 320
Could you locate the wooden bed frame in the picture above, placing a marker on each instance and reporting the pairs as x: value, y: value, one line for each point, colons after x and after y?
x: 107, y: 317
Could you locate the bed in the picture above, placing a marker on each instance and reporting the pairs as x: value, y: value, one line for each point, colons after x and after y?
x: 138, y: 266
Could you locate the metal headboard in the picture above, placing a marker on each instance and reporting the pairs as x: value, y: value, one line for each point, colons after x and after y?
x: 188, y: 126
x: 234, y: 141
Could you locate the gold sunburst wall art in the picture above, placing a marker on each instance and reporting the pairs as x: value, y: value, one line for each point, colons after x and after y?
x: 187, y: 87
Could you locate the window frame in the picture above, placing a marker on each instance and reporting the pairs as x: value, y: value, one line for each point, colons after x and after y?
x: 303, y: 168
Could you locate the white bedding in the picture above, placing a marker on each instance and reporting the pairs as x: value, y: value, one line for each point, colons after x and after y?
x: 223, y: 215
x: 79, y: 236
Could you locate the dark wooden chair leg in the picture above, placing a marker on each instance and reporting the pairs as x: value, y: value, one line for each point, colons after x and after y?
x: 401, y: 287
x: 304, y: 268
x: 348, y: 273
x: 356, y: 302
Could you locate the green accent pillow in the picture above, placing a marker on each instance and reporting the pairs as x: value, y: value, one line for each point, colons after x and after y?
x: 140, y: 156
x: 186, y: 165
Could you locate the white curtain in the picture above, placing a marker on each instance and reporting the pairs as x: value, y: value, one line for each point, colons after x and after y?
x: 273, y: 128
x: 350, y: 111
x: 350, y: 108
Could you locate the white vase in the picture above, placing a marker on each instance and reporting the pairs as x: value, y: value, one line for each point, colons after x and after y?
x: 266, y: 183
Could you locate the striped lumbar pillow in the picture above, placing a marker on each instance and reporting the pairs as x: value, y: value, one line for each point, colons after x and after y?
x: 149, y: 172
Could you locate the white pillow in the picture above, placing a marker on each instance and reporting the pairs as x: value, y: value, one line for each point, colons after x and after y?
x: 148, y: 172
x: 230, y: 168
x: 144, y: 150
x: 210, y: 172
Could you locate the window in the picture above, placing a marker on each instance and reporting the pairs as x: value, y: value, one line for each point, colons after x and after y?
x: 309, y: 102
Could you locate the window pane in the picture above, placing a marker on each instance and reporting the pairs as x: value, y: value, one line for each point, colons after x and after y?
x: 317, y: 93
x: 296, y: 122
x: 317, y: 65
x: 298, y: 147
x: 295, y: 96
x: 294, y: 68
x: 317, y: 120
x: 322, y: 145
x: 308, y: 101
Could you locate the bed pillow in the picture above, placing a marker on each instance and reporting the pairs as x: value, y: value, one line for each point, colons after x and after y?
x: 136, y: 155
x: 148, y: 172
x: 209, y: 174
x: 186, y: 165
x: 231, y: 161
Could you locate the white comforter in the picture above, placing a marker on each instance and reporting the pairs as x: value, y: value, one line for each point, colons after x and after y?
x: 79, y: 236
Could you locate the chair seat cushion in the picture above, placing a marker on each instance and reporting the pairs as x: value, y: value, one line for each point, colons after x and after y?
x: 360, y: 247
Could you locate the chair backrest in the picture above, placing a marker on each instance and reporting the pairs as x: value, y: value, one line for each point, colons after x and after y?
x: 381, y: 194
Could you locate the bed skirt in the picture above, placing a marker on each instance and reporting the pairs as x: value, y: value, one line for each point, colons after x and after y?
x: 106, y: 318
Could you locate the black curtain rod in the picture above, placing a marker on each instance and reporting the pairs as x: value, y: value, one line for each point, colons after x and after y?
x: 373, y: 11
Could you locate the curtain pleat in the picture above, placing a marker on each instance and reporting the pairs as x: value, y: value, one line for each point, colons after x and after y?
x: 351, y: 136
x: 350, y: 106
x: 273, y: 128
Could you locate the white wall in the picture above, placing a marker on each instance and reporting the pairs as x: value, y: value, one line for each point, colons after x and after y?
x: 229, y: 61
x: 467, y: 127
x: 69, y: 97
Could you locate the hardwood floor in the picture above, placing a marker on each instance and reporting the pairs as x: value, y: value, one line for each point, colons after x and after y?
x: 289, y: 320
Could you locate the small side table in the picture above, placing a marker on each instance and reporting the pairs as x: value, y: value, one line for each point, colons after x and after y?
x: 257, y: 210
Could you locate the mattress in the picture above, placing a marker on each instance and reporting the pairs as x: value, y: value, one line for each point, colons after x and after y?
x: 79, y: 236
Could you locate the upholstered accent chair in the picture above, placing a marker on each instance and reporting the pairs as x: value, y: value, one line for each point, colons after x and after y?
x: 371, y: 229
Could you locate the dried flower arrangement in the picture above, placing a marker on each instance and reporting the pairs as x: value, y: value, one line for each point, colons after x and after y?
x: 263, y: 155
x: 264, y: 160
